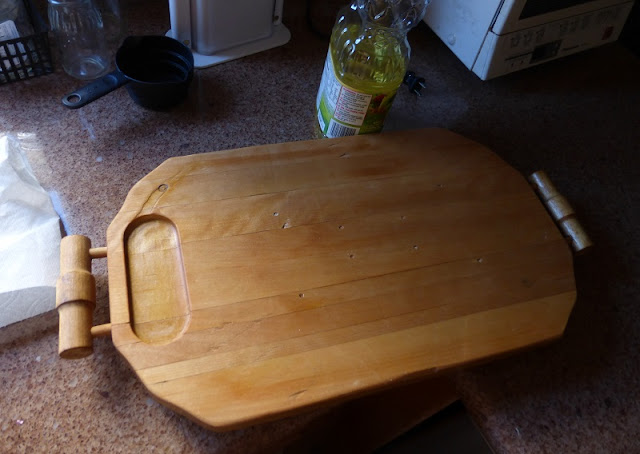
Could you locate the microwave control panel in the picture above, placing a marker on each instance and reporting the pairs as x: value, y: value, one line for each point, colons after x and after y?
x: 503, y: 54
x: 489, y: 54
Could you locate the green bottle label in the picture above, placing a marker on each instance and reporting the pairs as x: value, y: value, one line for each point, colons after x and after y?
x: 345, y: 111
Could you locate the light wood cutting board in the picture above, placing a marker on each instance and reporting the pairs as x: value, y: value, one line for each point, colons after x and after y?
x: 251, y: 284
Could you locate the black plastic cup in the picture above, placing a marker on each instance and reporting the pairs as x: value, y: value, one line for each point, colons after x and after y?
x: 156, y: 71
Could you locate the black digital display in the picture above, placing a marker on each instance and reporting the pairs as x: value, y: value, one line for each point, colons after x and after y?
x: 537, y: 7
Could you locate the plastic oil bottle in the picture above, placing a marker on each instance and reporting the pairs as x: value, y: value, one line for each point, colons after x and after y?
x: 366, y: 63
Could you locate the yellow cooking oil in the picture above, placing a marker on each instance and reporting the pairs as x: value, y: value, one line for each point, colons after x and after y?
x: 366, y: 63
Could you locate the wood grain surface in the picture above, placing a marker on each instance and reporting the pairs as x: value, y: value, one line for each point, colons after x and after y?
x: 251, y: 284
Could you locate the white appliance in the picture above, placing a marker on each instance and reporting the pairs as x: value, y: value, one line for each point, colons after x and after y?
x: 223, y: 30
x: 496, y: 37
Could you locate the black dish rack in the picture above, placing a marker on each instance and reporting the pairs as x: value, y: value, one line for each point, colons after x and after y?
x: 27, y: 56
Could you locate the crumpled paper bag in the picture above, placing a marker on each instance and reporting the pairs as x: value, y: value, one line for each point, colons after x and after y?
x: 29, y: 239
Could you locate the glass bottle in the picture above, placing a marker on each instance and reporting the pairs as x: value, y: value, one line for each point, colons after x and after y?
x: 366, y: 63
x: 79, y: 33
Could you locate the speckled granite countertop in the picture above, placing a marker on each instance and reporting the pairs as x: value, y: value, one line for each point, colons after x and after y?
x: 578, y: 119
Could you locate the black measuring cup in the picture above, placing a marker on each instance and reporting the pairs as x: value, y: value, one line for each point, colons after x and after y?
x: 156, y: 70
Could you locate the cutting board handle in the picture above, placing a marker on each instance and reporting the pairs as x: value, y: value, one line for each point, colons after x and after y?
x: 561, y: 211
x: 76, y: 297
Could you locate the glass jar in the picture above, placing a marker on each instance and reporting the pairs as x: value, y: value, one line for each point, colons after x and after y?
x: 114, y: 21
x: 79, y: 33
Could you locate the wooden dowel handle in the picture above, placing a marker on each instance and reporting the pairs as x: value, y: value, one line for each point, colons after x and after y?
x: 98, y: 252
x: 75, y: 298
x: 561, y: 211
x: 101, y: 330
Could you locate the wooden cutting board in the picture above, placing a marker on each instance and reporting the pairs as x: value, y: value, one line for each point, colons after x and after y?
x: 251, y: 284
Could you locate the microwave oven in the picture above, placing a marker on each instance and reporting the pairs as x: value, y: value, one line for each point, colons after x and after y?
x: 497, y: 37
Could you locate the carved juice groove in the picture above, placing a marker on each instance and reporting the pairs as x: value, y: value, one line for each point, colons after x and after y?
x: 159, y: 305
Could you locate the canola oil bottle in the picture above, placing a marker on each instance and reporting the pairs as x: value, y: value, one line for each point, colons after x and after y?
x: 366, y: 63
